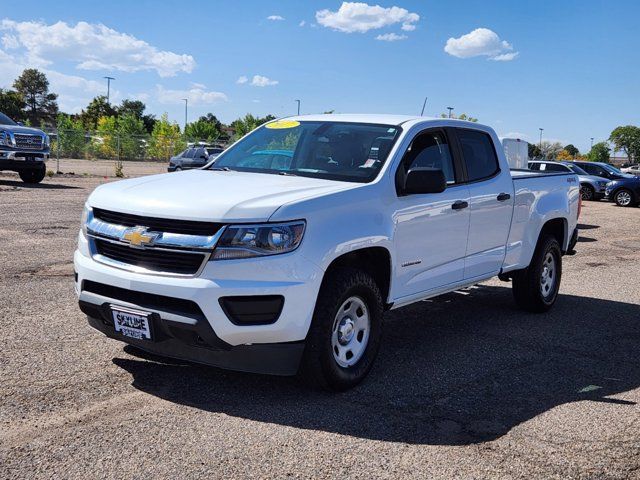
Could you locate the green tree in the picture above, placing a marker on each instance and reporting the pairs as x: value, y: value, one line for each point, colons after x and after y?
x: 70, y: 139
x: 12, y: 104
x: 212, y: 119
x: 572, y: 150
x: 166, y: 139
x: 627, y: 139
x: 97, y: 108
x: 105, y: 142
x: 136, y: 108
x: 534, y: 151
x: 201, y: 130
x: 41, y: 106
x: 132, y: 136
x: 246, y: 124
x: 462, y: 116
x: 599, y: 153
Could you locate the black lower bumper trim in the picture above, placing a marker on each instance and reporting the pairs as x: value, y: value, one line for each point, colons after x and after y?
x: 21, y: 165
x: 181, y: 341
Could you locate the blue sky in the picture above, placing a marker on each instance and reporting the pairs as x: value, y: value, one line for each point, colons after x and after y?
x: 571, y: 67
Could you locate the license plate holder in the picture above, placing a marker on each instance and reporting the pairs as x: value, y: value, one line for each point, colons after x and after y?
x: 132, y: 323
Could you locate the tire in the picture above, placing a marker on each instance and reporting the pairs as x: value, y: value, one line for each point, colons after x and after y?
x: 334, y: 333
x: 624, y: 198
x: 530, y: 290
x: 33, y: 176
x: 178, y: 169
x: 587, y: 192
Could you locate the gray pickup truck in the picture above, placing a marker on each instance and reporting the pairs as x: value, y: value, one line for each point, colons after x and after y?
x: 23, y: 150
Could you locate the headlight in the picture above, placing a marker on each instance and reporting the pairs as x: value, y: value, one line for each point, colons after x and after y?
x: 47, y: 141
x: 246, y: 241
x: 85, y: 218
x: 5, y: 138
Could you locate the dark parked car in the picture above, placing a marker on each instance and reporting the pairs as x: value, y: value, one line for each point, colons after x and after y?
x: 603, y: 170
x: 23, y: 150
x: 193, y: 157
x: 624, y: 191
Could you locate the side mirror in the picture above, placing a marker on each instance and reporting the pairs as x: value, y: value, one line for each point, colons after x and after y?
x: 204, y: 157
x: 424, y: 180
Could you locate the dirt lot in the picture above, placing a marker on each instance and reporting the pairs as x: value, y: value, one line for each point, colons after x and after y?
x: 466, y: 386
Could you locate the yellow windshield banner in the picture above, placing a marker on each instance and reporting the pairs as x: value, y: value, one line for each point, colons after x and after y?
x: 278, y: 124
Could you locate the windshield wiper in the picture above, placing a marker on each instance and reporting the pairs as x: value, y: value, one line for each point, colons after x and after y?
x: 221, y: 169
x: 287, y: 174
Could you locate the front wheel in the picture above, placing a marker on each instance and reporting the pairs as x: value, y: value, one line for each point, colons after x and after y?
x: 624, y: 198
x: 536, y: 287
x: 33, y: 176
x: 345, y: 332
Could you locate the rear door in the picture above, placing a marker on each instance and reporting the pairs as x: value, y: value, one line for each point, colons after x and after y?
x: 431, y: 229
x: 491, y: 204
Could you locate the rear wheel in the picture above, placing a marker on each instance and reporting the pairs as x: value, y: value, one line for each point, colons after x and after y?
x: 33, y: 176
x: 587, y: 192
x: 344, y: 336
x: 536, y: 287
x: 624, y: 198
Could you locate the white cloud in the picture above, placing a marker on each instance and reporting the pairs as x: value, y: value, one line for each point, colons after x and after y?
x: 275, y: 18
x: 302, y: 23
x: 90, y: 47
x: 391, y: 37
x: 197, y: 95
x: 261, y: 81
x: 481, y: 42
x: 242, y: 80
x: 361, y: 17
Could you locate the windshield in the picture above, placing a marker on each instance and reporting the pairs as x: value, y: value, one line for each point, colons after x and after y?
x: 611, y: 168
x: 576, y: 169
x: 352, y: 152
x: 4, y: 120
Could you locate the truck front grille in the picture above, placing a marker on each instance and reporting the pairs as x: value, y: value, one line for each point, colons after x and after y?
x: 185, y: 227
x: 156, y: 260
x: 28, y: 142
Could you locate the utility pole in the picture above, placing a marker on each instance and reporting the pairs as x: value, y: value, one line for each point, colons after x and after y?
x: 540, y: 144
x: 450, y: 110
x: 186, y: 106
x: 298, y: 106
x: 423, y: 105
x: 591, y: 143
x: 108, y: 87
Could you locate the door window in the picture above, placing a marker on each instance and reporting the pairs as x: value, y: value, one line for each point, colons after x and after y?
x: 478, y: 153
x: 189, y: 153
x: 556, y: 167
x: 430, y: 150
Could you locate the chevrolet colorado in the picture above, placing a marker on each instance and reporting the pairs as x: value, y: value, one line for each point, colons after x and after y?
x: 23, y: 150
x: 285, y: 263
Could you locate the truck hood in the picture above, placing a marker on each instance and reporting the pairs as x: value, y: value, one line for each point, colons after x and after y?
x: 209, y: 195
x: 21, y: 129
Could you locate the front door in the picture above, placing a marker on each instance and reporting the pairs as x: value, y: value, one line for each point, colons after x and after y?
x: 431, y: 229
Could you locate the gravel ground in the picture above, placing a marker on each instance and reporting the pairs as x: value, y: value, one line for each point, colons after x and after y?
x: 466, y: 386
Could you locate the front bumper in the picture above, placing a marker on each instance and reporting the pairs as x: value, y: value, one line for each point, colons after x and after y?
x: 225, y: 342
x: 21, y: 161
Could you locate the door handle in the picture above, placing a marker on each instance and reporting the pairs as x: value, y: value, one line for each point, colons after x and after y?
x: 503, y: 197
x: 459, y: 205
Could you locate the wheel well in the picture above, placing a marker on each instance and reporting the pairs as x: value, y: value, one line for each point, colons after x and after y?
x: 555, y: 227
x: 585, y: 184
x: 376, y: 261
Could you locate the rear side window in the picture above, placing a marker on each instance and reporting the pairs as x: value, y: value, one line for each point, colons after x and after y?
x: 556, y: 167
x: 478, y: 153
x: 189, y: 153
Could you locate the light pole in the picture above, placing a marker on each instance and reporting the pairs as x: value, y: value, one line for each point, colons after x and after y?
x: 298, y: 106
x: 591, y: 143
x: 108, y: 87
x: 450, y: 110
x: 540, y: 144
x: 186, y: 106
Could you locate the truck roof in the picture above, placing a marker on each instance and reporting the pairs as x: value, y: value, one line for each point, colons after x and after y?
x: 383, y: 119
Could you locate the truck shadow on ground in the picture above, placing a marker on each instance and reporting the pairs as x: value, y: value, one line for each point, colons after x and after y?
x: 43, y: 185
x: 460, y: 369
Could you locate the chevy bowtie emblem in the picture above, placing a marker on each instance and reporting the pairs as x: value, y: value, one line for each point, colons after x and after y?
x: 139, y: 237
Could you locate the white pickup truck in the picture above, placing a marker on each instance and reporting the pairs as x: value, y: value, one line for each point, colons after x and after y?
x: 282, y: 256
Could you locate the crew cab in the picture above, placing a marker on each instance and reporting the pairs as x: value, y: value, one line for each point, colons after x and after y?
x: 23, y: 150
x: 285, y: 263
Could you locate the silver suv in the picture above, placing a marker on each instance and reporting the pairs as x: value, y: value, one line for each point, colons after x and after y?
x: 591, y: 186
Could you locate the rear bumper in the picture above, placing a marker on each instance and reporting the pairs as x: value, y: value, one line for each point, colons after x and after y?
x: 198, y: 343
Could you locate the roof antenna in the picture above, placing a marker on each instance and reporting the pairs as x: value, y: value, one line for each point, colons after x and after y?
x: 423, y: 105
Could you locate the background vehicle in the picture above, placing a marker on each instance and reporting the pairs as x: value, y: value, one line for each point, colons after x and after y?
x: 193, y: 157
x: 603, y: 170
x: 23, y: 150
x: 624, y: 191
x: 288, y: 267
x: 516, y: 151
x: 633, y: 169
x: 591, y: 187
